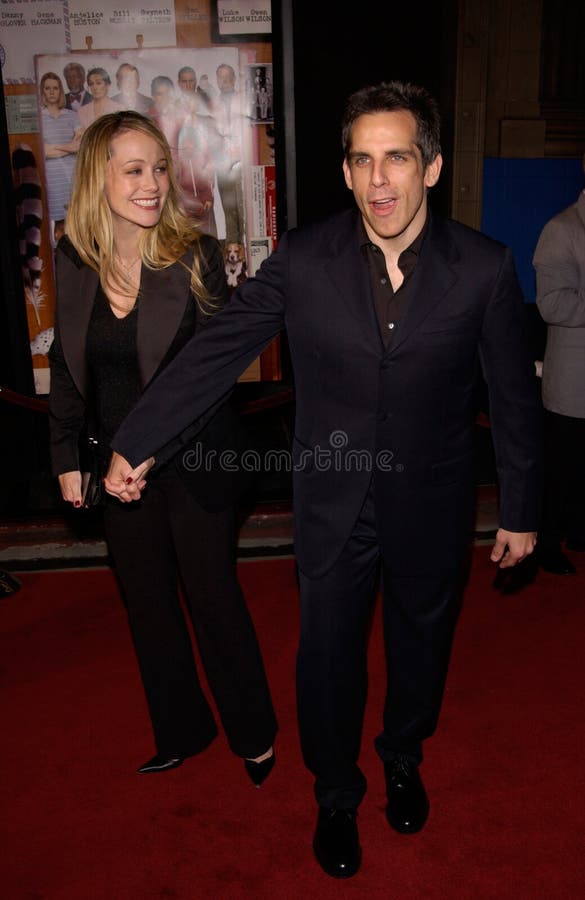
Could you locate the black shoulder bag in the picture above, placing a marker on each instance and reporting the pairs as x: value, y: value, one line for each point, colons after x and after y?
x: 92, y: 488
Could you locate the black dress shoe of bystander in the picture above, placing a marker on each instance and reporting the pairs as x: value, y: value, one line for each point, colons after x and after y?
x: 575, y: 543
x: 336, y: 843
x: 553, y: 560
x: 408, y: 805
x: 160, y: 764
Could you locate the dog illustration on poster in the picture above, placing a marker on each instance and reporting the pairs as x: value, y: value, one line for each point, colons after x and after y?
x: 235, y: 264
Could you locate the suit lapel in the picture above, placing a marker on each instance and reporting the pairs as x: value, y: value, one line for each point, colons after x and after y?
x: 77, y: 289
x: 163, y: 295
x: 432, y: 279
x: 350, y: 276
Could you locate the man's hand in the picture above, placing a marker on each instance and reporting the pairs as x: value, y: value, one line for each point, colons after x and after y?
x: 511, y: 547
x: 124, y: 482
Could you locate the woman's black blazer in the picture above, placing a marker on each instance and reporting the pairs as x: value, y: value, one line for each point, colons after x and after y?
x: 168, y: 316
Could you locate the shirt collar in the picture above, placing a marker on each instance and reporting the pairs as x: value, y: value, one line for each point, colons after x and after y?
x: 415, y: 247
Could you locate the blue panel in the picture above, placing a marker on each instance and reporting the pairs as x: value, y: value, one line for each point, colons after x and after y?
x: 519, y: 197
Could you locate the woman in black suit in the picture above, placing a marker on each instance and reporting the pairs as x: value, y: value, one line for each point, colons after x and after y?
x: 135, y: 279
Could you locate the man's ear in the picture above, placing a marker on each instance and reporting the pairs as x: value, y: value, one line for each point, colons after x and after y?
x: 347, y: 174
x: 433, y: 170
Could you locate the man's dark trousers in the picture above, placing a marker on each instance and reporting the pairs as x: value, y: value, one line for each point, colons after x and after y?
x: 419, y: 617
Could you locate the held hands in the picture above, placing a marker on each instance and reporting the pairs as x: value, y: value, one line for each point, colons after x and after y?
x: 511, y: 547
x: 124, y: 482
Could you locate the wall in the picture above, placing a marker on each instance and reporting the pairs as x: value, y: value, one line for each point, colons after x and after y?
x: 335, y: 54
x: 519, y: 197
x: 514, y: 168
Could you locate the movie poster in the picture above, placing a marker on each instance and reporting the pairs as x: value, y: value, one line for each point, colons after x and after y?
x: 211, y: 94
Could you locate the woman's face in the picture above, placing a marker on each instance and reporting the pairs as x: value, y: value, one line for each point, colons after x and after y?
x: 137, y: 182
x: 98, y: 86
x: 51, y: 92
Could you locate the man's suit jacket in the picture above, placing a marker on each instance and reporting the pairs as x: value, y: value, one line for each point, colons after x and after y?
x: 559, y: 260
x: 405, y: 414
x: 167, y: 318
x: 86, y: 98
x: 138, y: 102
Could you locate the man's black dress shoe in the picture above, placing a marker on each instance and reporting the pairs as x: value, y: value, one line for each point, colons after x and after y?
x: 336, y: 843
x: 552, y: 559
x: 575, y: 543
x: 160, y: 764
x: 408, y: 804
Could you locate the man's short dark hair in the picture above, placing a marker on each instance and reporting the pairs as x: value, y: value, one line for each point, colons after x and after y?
x: 74, y: 65
x: 391, y: 96
x: 159, y: 81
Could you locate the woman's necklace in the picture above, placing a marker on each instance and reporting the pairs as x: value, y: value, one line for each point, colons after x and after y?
x: 122, y: 296
x: 128, y: 269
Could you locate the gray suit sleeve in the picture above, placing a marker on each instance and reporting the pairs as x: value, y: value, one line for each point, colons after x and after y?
x: 560, y: 295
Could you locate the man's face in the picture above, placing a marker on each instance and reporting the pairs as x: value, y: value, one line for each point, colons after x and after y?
x: 187, y: 81
x: 75, y: 78
x: 385, y: 171
x: 162, y: 97
x: 225, y: 79
x: 128, y: 81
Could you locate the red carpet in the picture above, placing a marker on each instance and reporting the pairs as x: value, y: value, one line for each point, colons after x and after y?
x: 504, y: 772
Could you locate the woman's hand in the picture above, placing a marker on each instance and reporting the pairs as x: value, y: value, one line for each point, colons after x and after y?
x: 70, y: 484
x: 124, y: 482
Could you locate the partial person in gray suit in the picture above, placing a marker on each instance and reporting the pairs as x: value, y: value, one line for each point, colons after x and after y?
x: 559, y: 261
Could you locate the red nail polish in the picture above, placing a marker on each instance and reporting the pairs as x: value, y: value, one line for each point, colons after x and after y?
x: 77, y: 504
x: 129, y: 480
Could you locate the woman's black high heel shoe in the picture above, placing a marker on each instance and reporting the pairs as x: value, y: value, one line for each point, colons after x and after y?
x: 259, y: 771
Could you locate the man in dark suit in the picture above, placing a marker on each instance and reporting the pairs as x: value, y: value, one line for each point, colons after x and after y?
x: 390, y: 314
x: 76, y: 95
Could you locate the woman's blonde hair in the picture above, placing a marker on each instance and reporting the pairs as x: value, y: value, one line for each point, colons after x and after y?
x: 50, y: 76
x: 89, y: 223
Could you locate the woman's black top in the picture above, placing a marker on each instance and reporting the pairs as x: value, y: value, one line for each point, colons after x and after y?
x: 113, y: 363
